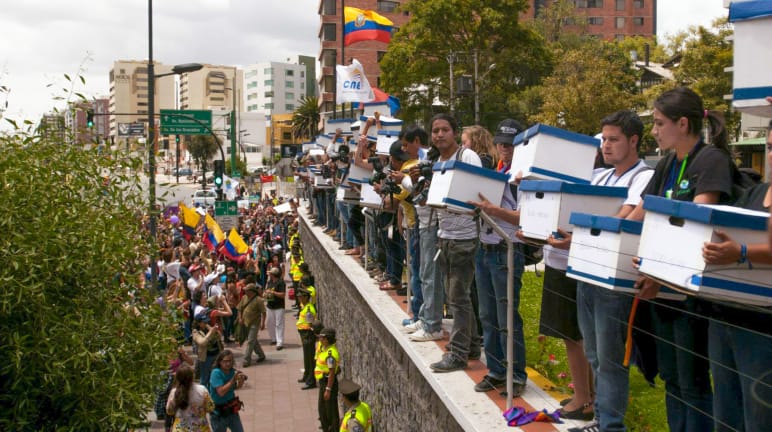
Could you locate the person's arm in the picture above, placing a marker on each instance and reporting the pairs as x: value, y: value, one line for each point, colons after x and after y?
x: 330, y: 379
x: 625, y: 210
x: 227, y: 311
x: 707, y: 198
x: 230, y: 384
x: 511, y: 216
x: 728, y: 251
x: 637, y: 213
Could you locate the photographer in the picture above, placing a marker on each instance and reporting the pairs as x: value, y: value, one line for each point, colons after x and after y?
x: 225, y: 380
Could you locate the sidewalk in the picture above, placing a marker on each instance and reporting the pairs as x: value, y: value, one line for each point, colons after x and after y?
x: 273, y: 400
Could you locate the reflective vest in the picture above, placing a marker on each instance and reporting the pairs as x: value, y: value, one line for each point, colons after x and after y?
x: 295, y: 269
x: 312, y: 294
x: 292, y: 240
x: 323, y: 360
x: 361, y: 412
x: 306, y: 317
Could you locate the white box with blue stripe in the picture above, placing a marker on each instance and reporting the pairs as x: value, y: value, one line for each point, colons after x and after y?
x: 368, y: 197
x: 347, y: 194
x: 752, y: 82
x: 671, y: 249
x: 370, y: 108
x: 358, y: 175
x: 548, y: 153
x: 547, y: 205
x: 384, y: 141
x: 344, y: 124
x: 454, y: 183
x: 387, y: 123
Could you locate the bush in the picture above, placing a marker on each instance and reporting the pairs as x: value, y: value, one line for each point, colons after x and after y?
x: 82, y: 343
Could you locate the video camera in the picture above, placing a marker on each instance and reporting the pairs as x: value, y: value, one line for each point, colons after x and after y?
x: 379, y: 171
x: 421, y: 188
x: 390, y: 187
x: 342, y: 155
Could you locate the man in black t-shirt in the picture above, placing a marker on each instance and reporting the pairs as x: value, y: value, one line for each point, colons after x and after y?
x: 274, y: 295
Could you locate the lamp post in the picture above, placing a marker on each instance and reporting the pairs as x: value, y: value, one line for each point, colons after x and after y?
x: 477, y: 82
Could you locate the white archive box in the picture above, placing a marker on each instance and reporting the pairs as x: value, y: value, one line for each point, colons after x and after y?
x: 752, y: 83
x: 355, y: 127
x: 368, y: 197
x: 370, y: 108
x: 347, y: 194
x: 671, y: 249
x: 385, y: 139
x: 547, y: 205
x: 344, y: 124
x: 358, y: 175
x: 454, y: 183
x: 387, y: 123
x: 547, y: 153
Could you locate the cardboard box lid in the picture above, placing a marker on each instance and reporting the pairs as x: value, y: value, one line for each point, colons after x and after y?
x: 343, y: 120
x: 572, y: 188
x: 388, y: 133
x: 555, y: 132
x: 472, y: 169
x: 717, y: 215
x: 605, y: 223
x: 385, y: 120
x: 749, y: 9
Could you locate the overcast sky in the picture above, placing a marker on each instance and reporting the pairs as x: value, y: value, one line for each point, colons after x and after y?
x: 44, y: 39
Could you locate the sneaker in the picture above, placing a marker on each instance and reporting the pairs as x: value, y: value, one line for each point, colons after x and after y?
x: 517, y: 390
x: 413, y: 327
x: 449, y: 363
x: 407, y: 321
x: 425, y: 336
x: 592, y: 427
x: 489, y: 383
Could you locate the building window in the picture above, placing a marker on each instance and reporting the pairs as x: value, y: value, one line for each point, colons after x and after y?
x: 268, y: 71
x: 328, y: 7
x: 581, y: 4
x: 619, y: 37
x: 252, y: 84
x: 269, y: 106
x: 289, y: 84
x: 289, y: 95
x: 638, y: 21
x: 251, y: 96
x: 595, y: 4
x: 620, y: 22
x: 328, y: 32
x: 638, y: 4
x: 289, y: 72
x: 620, y: 5
x: 595, y: 20
x: 387, y: 6
x: 250, y: 74
x: 268, y: 94
x: 268, y: 82
x: 302, y: 85
x: 302, y: 74
x: 289, y: 107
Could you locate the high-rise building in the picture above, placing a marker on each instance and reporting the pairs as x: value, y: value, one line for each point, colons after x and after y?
x: 609, y: 19
x: 275, y: 87
x: 310, y: 64
x: 332, y: 52
x: 128, y: 92
x: 218, y: 88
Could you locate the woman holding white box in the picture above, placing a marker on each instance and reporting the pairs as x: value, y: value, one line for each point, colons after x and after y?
x: 701, y: 173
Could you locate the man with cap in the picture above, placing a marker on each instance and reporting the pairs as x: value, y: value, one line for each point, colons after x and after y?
x: 357, y: 416
x: 306, y: 318
x: 251, y: 312
x: 274, y: 295
x: 491, y: 274
x: 327, y: 365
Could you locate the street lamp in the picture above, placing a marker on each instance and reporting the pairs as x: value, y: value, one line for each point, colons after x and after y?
x: 151, y: 141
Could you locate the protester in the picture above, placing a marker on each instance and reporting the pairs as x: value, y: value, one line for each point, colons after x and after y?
x: 225, y: 381
x: 188, y: 403
x: 252, y: 315
x: 274, y: 295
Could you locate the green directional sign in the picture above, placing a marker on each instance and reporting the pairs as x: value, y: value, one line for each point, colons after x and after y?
x: 226, y: 213
x: 185, y: 122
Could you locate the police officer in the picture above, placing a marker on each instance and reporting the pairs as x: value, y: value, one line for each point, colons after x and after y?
x: 327, y: 366
x: 306, y: 317
x: 357, y: 416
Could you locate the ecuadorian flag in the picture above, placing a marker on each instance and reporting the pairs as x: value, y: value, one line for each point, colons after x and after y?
x: 189, y: 221
x: 234, y: 245
x: 362, y: 25
x: 213, y: 235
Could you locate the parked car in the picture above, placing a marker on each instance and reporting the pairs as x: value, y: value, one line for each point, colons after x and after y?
x: 183, y: 172
x: 204, y: 197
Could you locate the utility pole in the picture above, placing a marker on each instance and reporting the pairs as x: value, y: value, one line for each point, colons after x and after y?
x: 151, y: 146
x: 451, y: 59
x: 476, y: 88
x: 234, y: 171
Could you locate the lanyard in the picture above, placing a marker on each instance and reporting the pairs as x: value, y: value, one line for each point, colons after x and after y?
x: 611, y: 174
x: 669, y: 191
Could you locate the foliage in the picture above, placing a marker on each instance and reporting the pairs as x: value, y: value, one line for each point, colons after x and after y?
x: 82, y: 342
x: 637, y: 44
x: 241, y: 166
x: 415, y: 68
x: 202, y: 148
x: 552, y: 22
x: 305, y: 119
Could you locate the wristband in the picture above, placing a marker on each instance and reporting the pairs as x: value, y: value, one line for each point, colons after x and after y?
x: 328, y: 389
x: 743, y: 254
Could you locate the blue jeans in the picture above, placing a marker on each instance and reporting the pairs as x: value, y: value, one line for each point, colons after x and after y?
x: 740, y: 363
x: 332, y: 214
x: 344, y: 209
x: 205, y: 368
x: 395, y: 254
x: 221, y: 424
x: 603, y: 316
x: 491, y: 277
x: 321, y: 209
x: 415, y: 272
x: 689, y: 398
x: 432, y: 286
x: 454, y: 263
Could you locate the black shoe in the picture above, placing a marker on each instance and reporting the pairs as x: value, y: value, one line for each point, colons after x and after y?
x: 449, y: 363
x: 489, y: 383
x: 260, y: 360
x: 578, y: 414
x: 279, y: 348
x: 517, y: 390
x: 566, y: 401
x: 308, y: 387
x: 302, y: 380
x: 475, y: 355
x: 273, y: 342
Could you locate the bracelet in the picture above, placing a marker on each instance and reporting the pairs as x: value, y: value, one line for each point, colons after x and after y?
x: 743, y: 254
x: 328, y: 389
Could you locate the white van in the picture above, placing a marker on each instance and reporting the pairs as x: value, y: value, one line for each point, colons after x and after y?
x: 205, y: 197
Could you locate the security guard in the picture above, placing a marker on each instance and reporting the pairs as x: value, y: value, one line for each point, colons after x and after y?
x: 327, y: 366
x: 357, y: 417
x: 306, y: 317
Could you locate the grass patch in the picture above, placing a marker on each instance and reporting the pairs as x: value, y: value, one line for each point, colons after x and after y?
x: 646, y: 411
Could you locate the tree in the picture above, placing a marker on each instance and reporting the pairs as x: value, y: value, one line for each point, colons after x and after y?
x: 305, y: 119
x: 202, y: 148
x: 83, y: 342
x: 415, y: 67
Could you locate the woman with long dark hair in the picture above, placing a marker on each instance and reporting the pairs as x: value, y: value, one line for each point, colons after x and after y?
x: 189, y: 403
x: 224, y: 382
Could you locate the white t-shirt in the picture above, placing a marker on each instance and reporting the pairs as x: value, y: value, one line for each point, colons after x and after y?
x: 454, y: 226
x: 636, y: 178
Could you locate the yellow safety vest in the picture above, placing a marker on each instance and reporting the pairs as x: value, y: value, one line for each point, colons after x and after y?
x: 312, y: 294
x: 322, y: 367
x: 292, y: 240
x: 295, y: 269
x: 306, y: 317
x: 362, y: 414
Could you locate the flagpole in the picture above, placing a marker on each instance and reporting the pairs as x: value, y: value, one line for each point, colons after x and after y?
x: 342, y: 55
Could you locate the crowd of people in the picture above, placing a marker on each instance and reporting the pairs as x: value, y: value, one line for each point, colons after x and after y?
x: 706, y: 351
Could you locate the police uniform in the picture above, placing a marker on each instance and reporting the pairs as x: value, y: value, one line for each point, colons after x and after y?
x: 358, y: 417
x: 306, y: 317
x: 327, y: 363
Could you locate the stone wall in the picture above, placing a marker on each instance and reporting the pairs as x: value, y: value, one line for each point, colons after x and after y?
x: 395, y: 388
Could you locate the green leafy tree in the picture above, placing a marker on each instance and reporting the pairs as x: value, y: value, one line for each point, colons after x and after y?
x: 305, y: 119
x: 202, y: 148
x: 415, y: 67
x: 82, y: 342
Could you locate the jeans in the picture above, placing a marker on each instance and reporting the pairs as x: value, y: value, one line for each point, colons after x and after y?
x: 253, y: 345
x: 454, y: 263
x: 321, y: 208
x: 740, y: 363
x: 276, y: 325
x: 491, y: 278
x: 415, y: 272
x: 432, y: 285
x: 356, y: 225
x: 603, y: 316
x: 230, y: 324
x: 205, y: 368
x: 221, y: 424
x: 689, y: 399
x: 395, y: 255
x: 344, y: 209
x: 332, y: 214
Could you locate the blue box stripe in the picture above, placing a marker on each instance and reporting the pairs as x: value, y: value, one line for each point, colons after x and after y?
x: 555, y: 132
x: 704, y: 214
x: 472, y: 169
x: 457, y: 203
x: 572, y: 188
x: 605, y: 223
x: 621, y: 283
x: 729, y: 285
x: 748, y: 10
x: 750, y: 93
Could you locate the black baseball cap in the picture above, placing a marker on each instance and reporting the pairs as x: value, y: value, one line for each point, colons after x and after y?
x: 506, y: 131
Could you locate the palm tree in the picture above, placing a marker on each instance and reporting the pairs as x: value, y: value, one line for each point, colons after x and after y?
x: 305, y: 119
x: 202, y: 148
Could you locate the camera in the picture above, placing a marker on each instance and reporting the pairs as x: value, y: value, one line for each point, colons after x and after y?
x: 390, y: 187
x: 326, y: 172
x: 377, y: 177
x: 342, y: 155
x: 425, y: 170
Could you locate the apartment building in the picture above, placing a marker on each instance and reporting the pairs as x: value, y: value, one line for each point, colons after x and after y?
x: 276, y: 87
x: 76, y: 121
x: 610, y: 19
x: 128, y: 93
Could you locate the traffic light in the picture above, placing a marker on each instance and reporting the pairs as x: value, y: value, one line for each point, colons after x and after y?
x: 90, y: 119
x: 219, y: 170
x: 177, y: 139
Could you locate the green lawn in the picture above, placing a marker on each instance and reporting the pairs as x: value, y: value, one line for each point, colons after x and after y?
x: 646, y: 412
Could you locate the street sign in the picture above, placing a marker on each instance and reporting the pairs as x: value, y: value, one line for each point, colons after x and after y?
x: 226, y: 213
x: 186, y: 122
x: 131, y: 129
